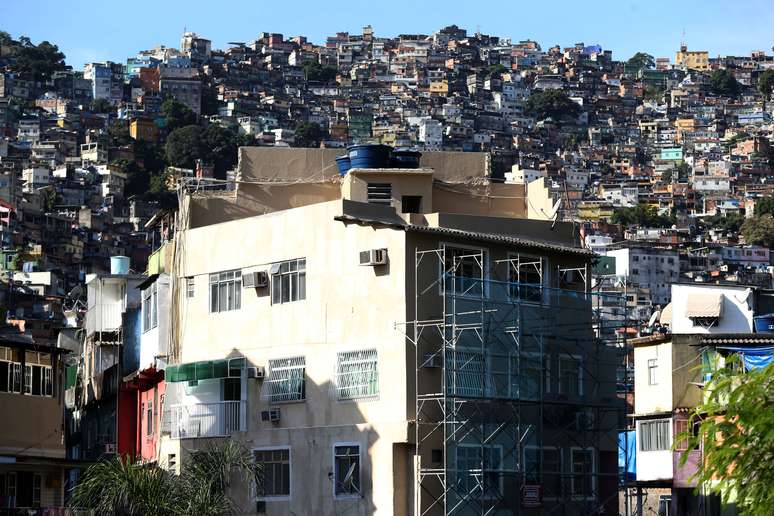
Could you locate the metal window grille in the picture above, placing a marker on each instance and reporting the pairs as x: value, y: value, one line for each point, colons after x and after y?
x: 225, y: 291
x: 347, y: 470
x: 357, y: 374
x: 379, y: 193
x: 274, y: 472
x: 288, y: 281
x: 286, y: 380
x: 189, y: 287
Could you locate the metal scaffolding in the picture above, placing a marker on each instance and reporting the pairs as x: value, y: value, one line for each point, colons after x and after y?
x: 516, y: 391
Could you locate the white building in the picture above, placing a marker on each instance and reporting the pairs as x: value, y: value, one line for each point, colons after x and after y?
x: 650, y: 267
x: 431, y: 133
x: 521, y: 175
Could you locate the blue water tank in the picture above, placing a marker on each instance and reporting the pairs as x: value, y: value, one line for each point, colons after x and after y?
x: 344, y: 164
x: 405, y: 158
x: 764, y: 323
x: 369, y: 156
x: 119, y: 265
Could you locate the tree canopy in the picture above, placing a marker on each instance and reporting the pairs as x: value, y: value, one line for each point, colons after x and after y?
x: 766, y: 82
x: 40, y: 61
x: 735, y: 435
x: 308, y: 134
x: 641, y: 215
x: 764, y: 206
x: 315, y: 72
x: 215, y: 144
x: 723, y: 82
x: 551, y: 103
x: 641, y: 60
x: 759, y: 230
x: 176, y: 114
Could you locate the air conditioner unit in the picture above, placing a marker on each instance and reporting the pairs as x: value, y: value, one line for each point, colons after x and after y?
x: 258, y: 372
x: 256, y: 279
x: 110, y: 448
x: 431, y: 361
x: 373, y: 257
x: 272, y: 415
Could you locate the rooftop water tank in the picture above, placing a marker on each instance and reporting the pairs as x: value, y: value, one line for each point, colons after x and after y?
x: 369, y: 156
x: 344, y: 164
x: 119, y: 265
x: 405, y: 158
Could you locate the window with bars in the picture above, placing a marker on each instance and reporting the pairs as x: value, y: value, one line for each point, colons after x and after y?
x: 479, y: 470
x: 582, y: 478
x: 346, y: 470
x: 225, y: 291
x: 357, y: 374
x: 654, y: 435
x: 189, y: 287
x: 544, y: 466
x: 288, y: 281
x: 274, y: 473
x: 150, y: 317
x: 286, y: 381
x: 38, y: 380
x: 10, y: 376
x: 379, y: 193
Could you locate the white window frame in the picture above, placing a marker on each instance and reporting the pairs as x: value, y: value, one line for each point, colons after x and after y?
x: 190, y: 287
x: 593, y: 473
x: 500, y: 477
x: 652, y: 371
x: 666, y: 422
x: 150, y: 304
x: 14, y: 370
x: 270, y: 381
x: 545, y: 377
x: 348, y: 496
x: 540, y: 473
x: 530, y: 259
x: 338, y: 375
x: 485, y: 269
x: 276, y: 498
x: 581, y: 379
x: 236, y: 279
x: 275, y: 274
x: 45, y: 370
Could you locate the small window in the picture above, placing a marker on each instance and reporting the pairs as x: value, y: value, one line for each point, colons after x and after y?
x: 346, y: 474
x: 171, y: 462
x: 570, y: 376
x: 525, y: 278
x: 357, y: 374
x: 189, y: 287
x: 286, y: 380
x: 652, y: 371
x: 582, y: 479
x: 225, y: 291
x: 664, y: 505
x: 274, y: 473
x: 36, y: 488
x: 411, y: 204
x: 150, y: 307
x: 379, y: 193
x: 464, y: 271
x: 149, y: 416
x: 288, y: 281
x: 654, y: 435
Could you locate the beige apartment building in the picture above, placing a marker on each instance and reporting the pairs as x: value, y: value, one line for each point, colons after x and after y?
x: 396, y: 341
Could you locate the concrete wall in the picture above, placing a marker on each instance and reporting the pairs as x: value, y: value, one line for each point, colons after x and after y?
x: 654, y: 465
x: 657, y: 398
x: 737, y: 309
x: 154, y: 342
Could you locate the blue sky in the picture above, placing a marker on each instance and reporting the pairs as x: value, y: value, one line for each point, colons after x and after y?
x: 108, y: 29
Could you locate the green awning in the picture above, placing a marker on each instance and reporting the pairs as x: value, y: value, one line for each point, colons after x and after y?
x: 206, y: 370
x: 71, y: 375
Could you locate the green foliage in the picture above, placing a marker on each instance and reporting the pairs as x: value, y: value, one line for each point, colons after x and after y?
x: 308, y: 134
x: 736, y: 436
x: 766, y: 82
x: 210, y: 102
x: 683, y: 171
x: 641, y: 60
x: 723, y: 82
x: 666, y: 177
x: 759, y: 230
x: 216, y: 144
x: 40, y: 61
x: 726, y: 223
x: 176, y: 114
x: 552, y: 103
x: 764, y: 206
x: 315, y: 72
x: 102, y: 106
x: 654, y: 93
x: 120, y: 486
x: 641, y: 215
x: 184, y: 146
x: 497, y: 69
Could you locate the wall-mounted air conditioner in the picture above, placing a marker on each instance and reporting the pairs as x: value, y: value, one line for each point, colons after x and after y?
x: 373, y: 257
x: 256, y: 279
x: 257, y: 372
x: 271, y: 415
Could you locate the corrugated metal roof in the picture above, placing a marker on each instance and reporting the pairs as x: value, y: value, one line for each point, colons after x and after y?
x: 474, y: 235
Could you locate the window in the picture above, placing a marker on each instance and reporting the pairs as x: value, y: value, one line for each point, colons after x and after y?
x: 36, y: 484
x: 274, y: 472
x: 664, y: 505
x: 582, y: 479
x: 479, y: 470
x: 149, y: 416
x: 288, y: 281
x: 534, y: 374
x: 286, y: 380
x: 635, y: 271
x: 346, y: 470
x: 357, y: 374
x: 525, y: 278
x: 652, y: 371
x: 379, y: 193
x: 464, y: 270
x: 10, y: 376
x: 544, y: 468
x: 654, y: 435
x: 225, y: 291
x: 189, y: 287
x: 150, y: 317
x: 570, y: 375
x: 411, y: 204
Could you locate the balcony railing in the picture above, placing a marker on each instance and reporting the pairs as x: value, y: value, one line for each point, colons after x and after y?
x: 218, y: 419
x: 104, y: 317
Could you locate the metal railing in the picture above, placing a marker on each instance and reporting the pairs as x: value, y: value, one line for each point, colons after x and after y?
x: 218, y: 419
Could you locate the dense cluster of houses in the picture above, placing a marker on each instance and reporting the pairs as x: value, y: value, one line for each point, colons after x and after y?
x: 145, y: 329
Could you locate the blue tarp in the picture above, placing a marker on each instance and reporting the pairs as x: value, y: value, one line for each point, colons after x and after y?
x: 627, y: 456
x: 753, y: 358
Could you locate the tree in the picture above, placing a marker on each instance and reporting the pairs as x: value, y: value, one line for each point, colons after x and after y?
x: 315, y: 72
x: 766, y: 84
x: 666, y: 177
x: 176, y: 114
x: 641, y: 215
x: 735, y: 435
x: 641, y: 60
x: 759, y: 230
x: 723, y: 82
x: 220, y: 147
x: 308, y: 134
x: 184, y: 146
x: 497, y: 69
x: 552, y: 103
x: 727, y: 223
x: 764, y: 206
x: 121, y: 486
x: 40, y: 61
x: 101, y: 106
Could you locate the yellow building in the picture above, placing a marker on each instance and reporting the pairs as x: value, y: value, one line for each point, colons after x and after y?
x: 693, y: 59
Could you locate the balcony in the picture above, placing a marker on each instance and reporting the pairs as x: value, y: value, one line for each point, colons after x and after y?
x: 218, y: 419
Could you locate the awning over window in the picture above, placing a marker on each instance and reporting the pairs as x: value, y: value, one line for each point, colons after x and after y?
x: 208, y: 369
x: 753, y: 358
x: 666, y: 315
x: 704, y: 306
